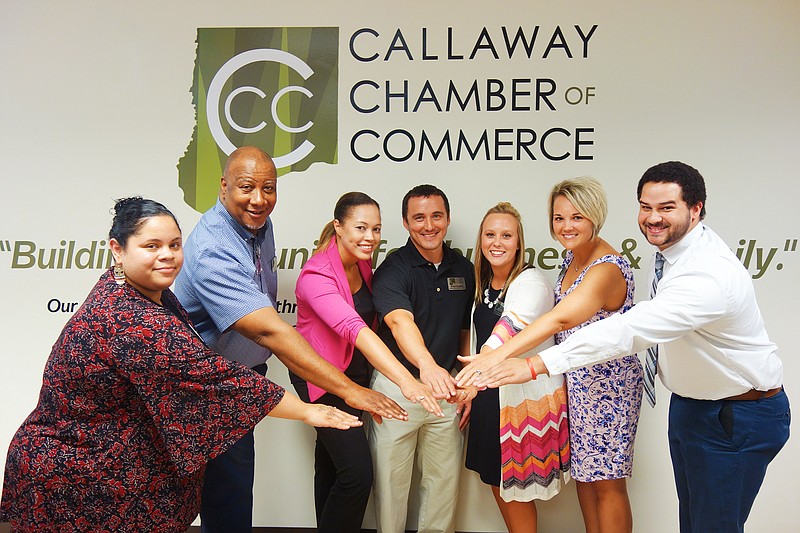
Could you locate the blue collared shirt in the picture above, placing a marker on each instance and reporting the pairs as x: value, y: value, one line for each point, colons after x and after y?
x: 221, y: 281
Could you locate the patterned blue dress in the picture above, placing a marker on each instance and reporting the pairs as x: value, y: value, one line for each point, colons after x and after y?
x: 604, y: 399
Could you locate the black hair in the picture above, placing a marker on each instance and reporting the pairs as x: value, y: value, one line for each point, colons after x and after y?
x: 130, y: 214
x: 693, y: 187
x: 425, y: 191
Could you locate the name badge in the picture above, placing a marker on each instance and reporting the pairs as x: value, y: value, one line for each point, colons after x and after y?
x: 456, y: 284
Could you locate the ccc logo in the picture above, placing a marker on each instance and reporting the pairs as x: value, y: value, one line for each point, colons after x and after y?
x: 214, y: 97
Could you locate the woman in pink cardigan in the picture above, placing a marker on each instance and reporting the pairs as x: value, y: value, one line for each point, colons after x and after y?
x: 335, y: 315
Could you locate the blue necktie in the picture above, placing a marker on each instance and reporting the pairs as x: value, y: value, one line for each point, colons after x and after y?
x: 651, y: 361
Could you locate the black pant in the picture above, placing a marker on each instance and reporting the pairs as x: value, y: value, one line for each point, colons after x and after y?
x: 342, y: 471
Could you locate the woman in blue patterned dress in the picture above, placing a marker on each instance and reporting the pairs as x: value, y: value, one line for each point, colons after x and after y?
x: 604, y: 399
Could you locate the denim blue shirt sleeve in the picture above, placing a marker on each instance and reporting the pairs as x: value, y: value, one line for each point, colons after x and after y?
x: 228, y: 272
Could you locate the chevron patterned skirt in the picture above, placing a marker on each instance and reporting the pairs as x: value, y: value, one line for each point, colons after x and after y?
x: 534, y: 439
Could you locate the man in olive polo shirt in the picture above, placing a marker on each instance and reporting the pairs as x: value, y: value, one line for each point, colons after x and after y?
x: 423, y: 295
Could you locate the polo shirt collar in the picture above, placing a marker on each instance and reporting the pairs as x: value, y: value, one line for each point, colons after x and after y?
x: 240, y: 230
x: 416, y: 258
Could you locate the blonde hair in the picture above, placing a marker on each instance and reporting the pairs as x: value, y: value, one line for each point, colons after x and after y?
x: 588, y: 197
x: 483, y: 270
x: 344, y: 206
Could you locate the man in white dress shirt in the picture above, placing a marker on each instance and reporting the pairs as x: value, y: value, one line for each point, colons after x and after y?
x: 728, y: 414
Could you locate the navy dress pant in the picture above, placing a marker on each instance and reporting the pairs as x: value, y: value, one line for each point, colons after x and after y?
x: 720, y: 451
x: 227, y: 501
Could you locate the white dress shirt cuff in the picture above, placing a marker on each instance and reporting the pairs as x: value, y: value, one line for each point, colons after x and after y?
x: 553, y: 358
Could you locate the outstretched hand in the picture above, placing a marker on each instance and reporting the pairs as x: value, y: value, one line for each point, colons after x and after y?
x: 376, y: 404
x: 330, y: 417
x: 504, y: 373
x: 476, y: 367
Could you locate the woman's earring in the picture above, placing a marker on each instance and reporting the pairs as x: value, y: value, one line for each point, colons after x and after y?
x: 119, y: 274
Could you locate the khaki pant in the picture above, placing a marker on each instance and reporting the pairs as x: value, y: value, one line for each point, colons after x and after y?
x: 437, y: 444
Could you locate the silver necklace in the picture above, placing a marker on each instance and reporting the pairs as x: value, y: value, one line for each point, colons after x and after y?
x: 495, y: 304
x: 576, y: 266
x: 490, y: 303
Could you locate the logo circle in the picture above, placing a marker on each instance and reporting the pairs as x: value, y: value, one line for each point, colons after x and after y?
x: 223, y: 75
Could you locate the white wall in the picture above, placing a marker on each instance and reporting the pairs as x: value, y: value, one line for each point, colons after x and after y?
x: 96, y: 106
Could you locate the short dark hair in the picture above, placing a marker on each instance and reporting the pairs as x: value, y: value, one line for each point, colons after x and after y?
x: 131, y: 213
x: 425, y: 191
x: 692, y: 184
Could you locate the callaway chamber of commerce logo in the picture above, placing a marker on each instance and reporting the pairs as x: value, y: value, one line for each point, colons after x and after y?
x: 275, y: 88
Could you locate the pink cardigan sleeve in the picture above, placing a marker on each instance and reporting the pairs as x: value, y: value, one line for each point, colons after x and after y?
x: 326, y: 316
x: 322, y: 292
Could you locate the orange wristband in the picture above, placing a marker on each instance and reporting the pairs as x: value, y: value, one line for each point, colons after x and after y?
x: 530, y: 366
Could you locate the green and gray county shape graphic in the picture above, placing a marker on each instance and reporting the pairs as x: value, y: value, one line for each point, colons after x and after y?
x: 274, y: 88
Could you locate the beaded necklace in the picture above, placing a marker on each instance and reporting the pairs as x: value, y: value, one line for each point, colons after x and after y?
x: 495, y: 305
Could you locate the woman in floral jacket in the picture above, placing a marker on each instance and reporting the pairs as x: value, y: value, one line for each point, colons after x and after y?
x: 133, y: 403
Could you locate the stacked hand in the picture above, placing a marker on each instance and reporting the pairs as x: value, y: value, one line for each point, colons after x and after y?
x: 464, y: 394
x: 486, y: 371
x: 463, y: 397
x: 416, y: 392
x: 439, y: 380
x: 477, y: 368
x: 444, y: 387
